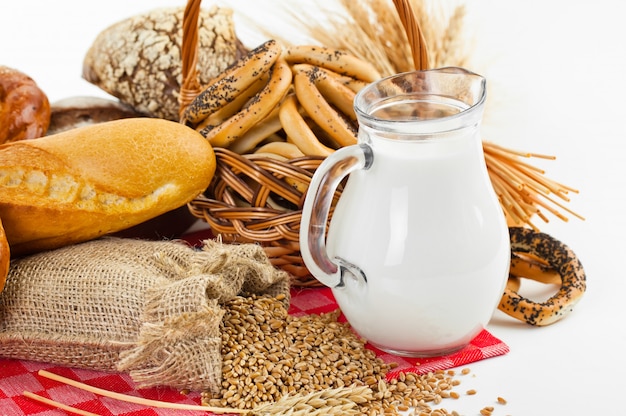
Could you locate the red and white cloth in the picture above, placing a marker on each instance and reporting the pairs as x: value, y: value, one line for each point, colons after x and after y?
x: 18, y: 376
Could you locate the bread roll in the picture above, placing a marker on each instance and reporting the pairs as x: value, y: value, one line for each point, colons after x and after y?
x: 95, y: 180
x: 24, y: 107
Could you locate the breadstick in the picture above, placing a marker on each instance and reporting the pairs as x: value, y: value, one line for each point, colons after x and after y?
x: 298, y: 131
x: 233, y: 81
x: 334, y: 59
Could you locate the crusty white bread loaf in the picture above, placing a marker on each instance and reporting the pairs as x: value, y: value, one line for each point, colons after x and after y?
x: 90, y: 181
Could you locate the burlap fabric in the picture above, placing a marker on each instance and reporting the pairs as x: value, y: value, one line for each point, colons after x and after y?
x: 149, y: 308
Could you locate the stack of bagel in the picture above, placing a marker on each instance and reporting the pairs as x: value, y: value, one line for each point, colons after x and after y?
x: 287, y: 102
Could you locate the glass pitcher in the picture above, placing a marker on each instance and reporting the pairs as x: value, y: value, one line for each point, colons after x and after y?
x: 417, y: 250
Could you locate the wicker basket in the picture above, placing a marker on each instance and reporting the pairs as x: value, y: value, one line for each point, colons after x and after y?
x: 241, y: 206
x: 253, y: 198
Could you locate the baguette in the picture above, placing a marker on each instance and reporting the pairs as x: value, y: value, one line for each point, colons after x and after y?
x: 95, y: 180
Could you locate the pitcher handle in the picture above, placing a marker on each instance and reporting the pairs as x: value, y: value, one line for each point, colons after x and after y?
x: 316, y: 210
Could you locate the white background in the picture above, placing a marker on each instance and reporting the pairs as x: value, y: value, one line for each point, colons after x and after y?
x: 557, y: 71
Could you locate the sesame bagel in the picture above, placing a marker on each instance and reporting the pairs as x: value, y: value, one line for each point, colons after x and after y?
x: 558, y: 258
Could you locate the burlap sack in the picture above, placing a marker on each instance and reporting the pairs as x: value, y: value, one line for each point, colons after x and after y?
x: 149, y: 308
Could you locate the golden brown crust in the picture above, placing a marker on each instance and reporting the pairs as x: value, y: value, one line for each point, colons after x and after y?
x: 99, y: 179
x: 5, y: 257
x: 24, y: 107
x: 297, y: 129
x: 528, y: 266
x: 513, y: 283
x: 233, y: 82
x: 338, y: 61
x: 259, y: 107
x: 306, y: 81
x: 557, y: 257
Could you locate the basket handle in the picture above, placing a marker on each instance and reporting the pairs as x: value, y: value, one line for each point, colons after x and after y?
x: 190, y: 87
x: 414, y: 34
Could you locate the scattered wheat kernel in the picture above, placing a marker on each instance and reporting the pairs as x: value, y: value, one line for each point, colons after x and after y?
x: 486, y: 411
x: 471, y: 392
x: 454, y: 395
x: 465, y: 371
x: 501, y: 400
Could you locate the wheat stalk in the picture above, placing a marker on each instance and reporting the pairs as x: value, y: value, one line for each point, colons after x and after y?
x: 376, y: 31
x: 337, y: 401
x: 523, y: 190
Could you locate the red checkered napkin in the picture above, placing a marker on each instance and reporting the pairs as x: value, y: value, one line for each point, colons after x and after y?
x: 484, y: 345
x: 321, y: 300
x: 19, y: 376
